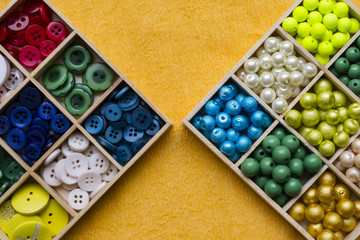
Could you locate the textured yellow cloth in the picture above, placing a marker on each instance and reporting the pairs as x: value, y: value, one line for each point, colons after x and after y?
x: 175, y: 51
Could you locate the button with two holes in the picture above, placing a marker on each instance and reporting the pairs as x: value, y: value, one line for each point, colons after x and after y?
x: 98, y: 76
x: 77, y: 58
x: 55, y: 217
x: 55, y: 76
x: 113, y: 112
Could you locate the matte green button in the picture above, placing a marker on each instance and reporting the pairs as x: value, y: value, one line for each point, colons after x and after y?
x: 55, y: 76
x: 14, y: 169
x: 98, y: 77
x: 78, y: 101
x: 4, y: 187
x: 85, y: 88
x: 66, y: 88
x: 77, y: 58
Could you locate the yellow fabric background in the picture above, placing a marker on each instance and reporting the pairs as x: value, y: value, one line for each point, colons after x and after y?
x: 175, y: 52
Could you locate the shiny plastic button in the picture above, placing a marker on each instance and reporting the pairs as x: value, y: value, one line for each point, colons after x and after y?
x: 56, y: 31
x: 78, y: 101
x: 47, y: 47
x: 36, y: 19
x: 33, y: 151
x: 35, y: 35
x: 123, y: 152
x: 62, y: 175
x: 6, y: 213
x: 36, y: 134
x: 19, y: 219
x: 76, y: 164
x: 48, y: 174
x: 99, y: 163
x: 14, y: 51
x: 16, y: 139
x: 141, y: 118
x: 129, y: 101
x: 98, y: 76
x: 113, y: 135
x: 45, y: 13
x: 14, y: 80
x: 110, y: 173
x: 31, y: 6
x: 78, y: 199
x: 66, y: 150
x: 46, y: 110
x: 153, y: 129
x: 21, y: 117
x: 18, y: 21
x: 103, y: 108
x: 97, y: 190
x: 17, y: 38
x: 113, y: 112
x: 30, y: 98
x: 88, y: 181
x: 5, y: 125
x: 121, y: 92
x: 106, y: 144
x: 90, y: 151
x: 66, y: 88
x: 55, y: 76
x: 33, y: 229
x: 55, y: 217
x: 78, y: 142
x: 60, y: 124
x: 131, y: 134
x: 30, y: 56
x: 77, y: 58
x: 4, y: 69
x: 52, y: 156
x: 94, y: 124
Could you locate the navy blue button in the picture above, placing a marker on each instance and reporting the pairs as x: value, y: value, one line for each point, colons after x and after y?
x: 121, y: 92
x: 11, y: 107
x: 16, y: 138
x: 154, y: 128
x: 46, y: 110
x: 60, y: 124
x: 5, y: 124
x: 49, y: 142
x: 113, y: 112
x: 95, y: 124
x: 106, y: 144
x: 123, y: 153
x: 36, y: 134
x: 111, y: 95
x: 132, y: 134
x: 139, y: 144
x: 34, y: 114
x: 40, y: 122
x: 113, y: 135
x: 21, y: 117
x: 33, y: 151
x: 141, y: 118
x: 128, y: 101
x: 30, y: 98
x: 26, y: 160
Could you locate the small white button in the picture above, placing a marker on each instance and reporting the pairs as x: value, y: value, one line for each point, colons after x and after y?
x: 15, y: 79
x: 4, y: 69
x: 78, y: 199
x: 88, y: 181
x: 52, y: 156
x: 76, y: 164
x: 66, y: 150
x: 110, y: 173
x: 48, y: 175
x: 62, y: 175
x: 99, y: 163
x: 91, y: 151
x: 98, y: 189
x: 78, y: 142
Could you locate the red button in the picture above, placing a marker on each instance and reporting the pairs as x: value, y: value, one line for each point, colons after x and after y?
x: 3, y: 33
x: 47, y: 47
x: 35, y: 34
x: 56, y: 31
x: 18, y: 21
x: 32, y: 6
x: 14, y: 51
x: 17, y: 38
x: 30, y: 56
x: 45, y: 13
x: 37, y: 20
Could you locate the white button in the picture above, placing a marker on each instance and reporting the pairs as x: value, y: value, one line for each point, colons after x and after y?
x: 48, y: 175
x: 78, y: 142
x: 110, y: 173
x: 70, y: 187
x: 99, y: 163
x: 91, y: 151
x: 52, y: 156
x: 66, y: 150
x: 98, y: 188
x: 62, y: 175
x: 4, y: 69
x: 15, y: 79
x: 88, y: 181
x: 76, y: 164
x: 78, y: 199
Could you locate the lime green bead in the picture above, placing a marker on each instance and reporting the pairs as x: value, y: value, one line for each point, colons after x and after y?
x: 330, y: 21
x: 311, y: 5
x: 270, y: 142
x: 314, y: 17
x: 300, y: 153
x: 296, y: 167
x: 326, y: 6
x: 259, y: 153
x: 342, y: 65
x: 261, y: 181
x: 355, y: 25
x: 354, y: 86
x: 250, y: 167
x: 354, y: 71
x: 281, y: 154
x: 322, y: 59
x: 291, y: 142
x: 300, y: 14
x: 272, y: 188
x: 312, y: 163
x: 339, y: 40
x: 267, y: 165
x: 292, y: 187
x: 327, y: 37
x: 303, y: 30
x: 281, y: 173
x: 310, y: 43
x: 325, y: 48
x: 290, y: 24
x: 281, y: 199
x: 344, y: 79
x: 318, y: 30
x: 344, y: 25
x: 279, y: 132
x: 341, y: 9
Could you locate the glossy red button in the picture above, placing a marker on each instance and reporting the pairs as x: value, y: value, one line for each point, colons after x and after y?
x: 30, y: 56
x: 35, y: 34
x: 47, y: 47
x: 32, y: 6
x: 14, y: 51
x: 45, y: 13
x: 18, y: 21
x: 17, y: 38
x: 3, y: 33
x: 37, y: 20
x: 56, y: 31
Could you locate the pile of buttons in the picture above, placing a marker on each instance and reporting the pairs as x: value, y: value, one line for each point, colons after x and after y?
x: 124, y: 125
x: 10, y: 78
x: 232, y: 120
x: 32, y: 214
x: 60, y: 81
x: 10, y: 171
x: 79, y: 168
x: 31, y: 124
x: 31, y: 35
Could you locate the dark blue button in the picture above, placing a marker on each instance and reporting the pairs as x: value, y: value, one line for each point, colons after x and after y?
x: 139, y: 144
x: 103, y: 108
x: 121, y: 92
x: 113, y: 112
x: 123, y: 153
x: 21, y: 117
x: 132, y: 134
x: 33, y: 151
x: 113, y: 135
x: 26, y: 160
x: 36, y: 134
x: 49, y: 142
x: 5, y: 124
x: 111, y: 95
x: 11, y: 107
x: 60, y: 124
x: 30, y: 98
x: 153, y: 129
x: 16, y: 138
x: 128, y: 101
x: 95, y: 124
x: 34, y: 114
x: 46, y: 110
x: 119, y: 124
x: 40, y: 122
x: 106, y: 144
x: 141, y: 118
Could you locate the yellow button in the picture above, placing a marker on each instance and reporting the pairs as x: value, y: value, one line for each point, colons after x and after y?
x: 19, y: 219
x: 55, y: 217
x: 31, y: 230
x: 6, y: 213
x: 30, y: 199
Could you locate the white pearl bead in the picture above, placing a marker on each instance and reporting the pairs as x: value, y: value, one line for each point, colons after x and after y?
x: 265, y: 61
x: 257, y: 89
x: 337, y: 164
x: 284, y: 92
x: 295, y: 92
x: 353, y: 174
x: 357, y: 160
x: 252, y: 65
x: 241, y: 74
x: 276, y: 71
x: 279, y: 105
x: 347, y: 159
x: 272, y: 44
x: 283, y: 78
x: 267, y: 79
x: 296, y: 78
x: 268, y: 95
x: 261, y: 51
x: 305, y: 82
x: 251, y: 80
x: 309, y: 70
x: 302, y: 61
x: 286, y: 47
x: 280, y: 38
x: 278, y: 59
x: 292, y: 63
x: 355, y: 145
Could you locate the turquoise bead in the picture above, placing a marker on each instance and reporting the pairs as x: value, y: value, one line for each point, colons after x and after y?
x: 223, y: 120
x: 227, y: 147
x: 212, y: 108
x: 232, y: 135
x: 226, y: 93
x: 243, y: 144
x: 207, y: 123
x: 218, y: 135
x: 232, y: 107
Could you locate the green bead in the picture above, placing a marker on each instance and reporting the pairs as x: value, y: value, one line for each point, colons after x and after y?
x: 358, y: 42
x: 98, y: 77
x: 300, y: 153
x: 267, y: 165
x: 352, y: 54
x: 78, y: 101
x: 270, y: 142
x: 55, y: 76
x: 333, y: 71
x: 296, y: 167
x: 259, y: 154
x: 279, y: 132
x: 281, y: 154
x: 281, y: 173
x: 281, y: 199
x: 312, y: 163
x: 250, y: 167
x: 293, y: 187
x: 260, y: 181
x: 291, y: 142
x: 77, y: 58
x: 354, y: 71
x: 66, y: 88
x: 272, y: 188
x: 342, y: 65
x: 354, y: 86
x: 344, y: 79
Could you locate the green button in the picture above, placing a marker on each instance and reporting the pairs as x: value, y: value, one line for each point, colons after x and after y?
x: 66, y: 88
x: 98, y: 77
x: 77, y: 58
x: 13, y: 170
x: 55, y: 76
x: 78, y: 101
x: 4, y: 187
x: 85, y: 88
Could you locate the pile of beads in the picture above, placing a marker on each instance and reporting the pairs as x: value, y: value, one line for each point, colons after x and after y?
x: 60, y: 81
x: 277, y: 165
x: 124, y: 124
x: 10, y: 78
x: 32, y: 214
x: 232, y: 121
x: 276, y: 74
x: 78, y: 170
x: 325, y: 120
x: 31, y: 35
x: 327, y: 208
x: 31, y: 124
x: 10, y: 171
x: 322, y: 27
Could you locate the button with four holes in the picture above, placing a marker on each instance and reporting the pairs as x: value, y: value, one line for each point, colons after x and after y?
x: 60, y: 124
x: 123, y: 152
x: 56, y: 31
x: 95, y: 124
x: 89, y: 180
x: 141, y: 118
x: 132, y: 134
x: 35, y: 35
x: 16, y: 138
x: 113, y: 134
x: 78, y: 199
x: 30, y: 56
x: 33, y: 151
x: 99, y: 163
x: 14, y: 80
x: 76, y: 164
x: 21, y: 117
x: 46, y: 110
x: 30, y: 98
x: 47, y: 47
x: 78, y: 142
